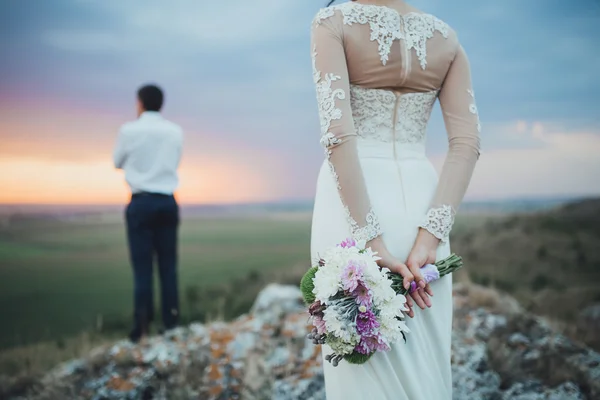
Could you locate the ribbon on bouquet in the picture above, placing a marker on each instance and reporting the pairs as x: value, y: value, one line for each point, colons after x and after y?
x: 430, y: 274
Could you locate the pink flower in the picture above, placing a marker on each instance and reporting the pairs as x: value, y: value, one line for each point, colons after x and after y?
x: 362, y: 295
x: 351, y: 275
x: 319, y: 323
x: 348, y: 243
x: 371, y: 344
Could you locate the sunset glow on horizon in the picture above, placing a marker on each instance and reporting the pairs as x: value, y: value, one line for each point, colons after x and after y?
x: 73, y: 165
x: 32, y: 181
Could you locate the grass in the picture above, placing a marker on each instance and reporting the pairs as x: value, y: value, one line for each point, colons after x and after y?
x: 549, y: 261
x: 59, y: 278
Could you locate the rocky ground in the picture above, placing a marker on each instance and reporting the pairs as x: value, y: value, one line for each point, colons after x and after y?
x: 499, y: 352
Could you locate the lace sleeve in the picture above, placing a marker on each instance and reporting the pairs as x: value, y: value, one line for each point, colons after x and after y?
x: 338, y: 135
x: 457, y: 101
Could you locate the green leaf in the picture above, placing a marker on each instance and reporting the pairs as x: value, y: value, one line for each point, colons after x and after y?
x: 307, y: 285
x: 357, y: 358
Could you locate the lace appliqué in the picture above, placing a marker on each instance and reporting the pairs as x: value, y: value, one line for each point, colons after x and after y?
x: 418, y: 29
x: 414, y: 110
x: 384, y: 22
x: 329, y: 140
x: 439, y: 221
x: 326, y: 97
x: 473, y: 109
x: 387, y: 25
x: 328, y: 112
x: 373, y: 113
x: 368, y: 232
x: 316, y: 73
x: 324, y: 13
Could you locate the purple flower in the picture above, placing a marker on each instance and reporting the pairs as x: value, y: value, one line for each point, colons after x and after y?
x: 370, y: 344
x: 366, y: 323
x: 362, y: 295
x: 430, y: 274
x: 348, y: 243
x: 319, y: 323
x: 351, y: 275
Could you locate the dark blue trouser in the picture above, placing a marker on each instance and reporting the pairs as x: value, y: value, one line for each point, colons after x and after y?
x: 152, y: 222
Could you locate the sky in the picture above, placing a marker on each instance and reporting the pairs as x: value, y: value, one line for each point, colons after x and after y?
x: 237, y: 76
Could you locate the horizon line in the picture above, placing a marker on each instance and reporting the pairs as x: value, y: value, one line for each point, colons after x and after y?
x: 300, y: 201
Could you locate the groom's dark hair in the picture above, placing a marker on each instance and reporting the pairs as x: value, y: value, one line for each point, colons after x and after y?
x: 151, y: 97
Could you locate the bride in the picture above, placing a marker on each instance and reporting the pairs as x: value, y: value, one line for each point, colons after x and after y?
x: 379, y: 66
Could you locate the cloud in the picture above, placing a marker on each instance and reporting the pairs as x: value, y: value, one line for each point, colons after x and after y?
x: 86, y: 41
x: 185, y: 26
x: 561, y: 162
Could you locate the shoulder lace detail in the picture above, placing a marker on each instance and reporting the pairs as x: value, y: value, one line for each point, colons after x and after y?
x: 373, y: 113
x: 384, y: 23
x: 324, y: 13
x: 368, y: 232
x: 387, y: 25
x: 473, y: 109
x: 419, y: 28
x: 439, y: 221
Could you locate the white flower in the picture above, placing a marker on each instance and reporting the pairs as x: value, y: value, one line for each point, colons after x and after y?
x: 326, y: 284
x: 339, y: 326
x: 398, y: 303
x: 361, y: 245
x: 392, y: 329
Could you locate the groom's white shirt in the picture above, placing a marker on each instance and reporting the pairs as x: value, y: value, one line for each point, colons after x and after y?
x: 149, y: 151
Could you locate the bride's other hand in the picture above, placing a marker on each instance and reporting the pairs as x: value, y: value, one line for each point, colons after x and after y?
x: 396, y: 266
x: 423, y: 252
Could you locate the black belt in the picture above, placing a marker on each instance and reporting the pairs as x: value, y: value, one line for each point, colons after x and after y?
x: 150, y: 194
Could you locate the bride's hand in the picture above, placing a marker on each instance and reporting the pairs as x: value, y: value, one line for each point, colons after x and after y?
x: 396, y: 266
x: 423, y: 252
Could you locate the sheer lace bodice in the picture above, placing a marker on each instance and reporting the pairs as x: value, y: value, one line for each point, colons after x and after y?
x: 378, y: 72
x: 375, y: 110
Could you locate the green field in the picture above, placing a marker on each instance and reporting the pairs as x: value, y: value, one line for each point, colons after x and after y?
x: 66, y: 284
x: 58, y: 278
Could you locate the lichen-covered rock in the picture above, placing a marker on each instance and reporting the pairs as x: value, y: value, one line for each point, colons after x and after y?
x: 587, y: 326
x: 526, y: 348
x: 498, y: 352
x: 534, y: 390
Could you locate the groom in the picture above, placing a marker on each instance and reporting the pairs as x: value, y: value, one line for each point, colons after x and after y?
x: 149, y: 150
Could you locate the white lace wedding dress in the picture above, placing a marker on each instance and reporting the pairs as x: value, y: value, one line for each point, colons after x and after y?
x: 378, y: 72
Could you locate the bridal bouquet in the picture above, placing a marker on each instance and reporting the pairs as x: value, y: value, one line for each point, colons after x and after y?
x: 356, y: 307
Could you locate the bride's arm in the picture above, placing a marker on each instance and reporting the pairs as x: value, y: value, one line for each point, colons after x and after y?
x: 338, y: 135
x: 457, y: 101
